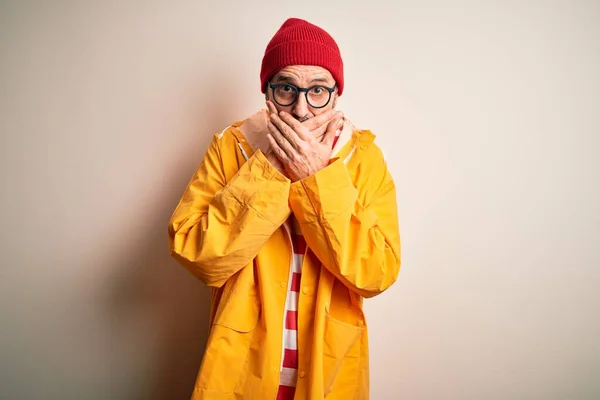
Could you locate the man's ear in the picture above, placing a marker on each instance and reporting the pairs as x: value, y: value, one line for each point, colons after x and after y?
x: 335, y: 101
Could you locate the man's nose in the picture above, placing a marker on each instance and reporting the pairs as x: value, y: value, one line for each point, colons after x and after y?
x: 300, y: 108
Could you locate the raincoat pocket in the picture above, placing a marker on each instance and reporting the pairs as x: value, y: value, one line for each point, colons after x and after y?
x: 229, y: 342
x: 341, y: 353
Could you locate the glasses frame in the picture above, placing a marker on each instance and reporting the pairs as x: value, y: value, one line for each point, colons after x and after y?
x: 299, y: 90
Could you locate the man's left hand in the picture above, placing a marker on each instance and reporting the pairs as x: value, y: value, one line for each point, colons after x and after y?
x: 301, y: 154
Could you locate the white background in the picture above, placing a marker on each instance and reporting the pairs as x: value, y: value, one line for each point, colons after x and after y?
x: 488, y: 112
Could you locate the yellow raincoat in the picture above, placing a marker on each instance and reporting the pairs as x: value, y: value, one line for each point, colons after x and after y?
x: 227, y: 230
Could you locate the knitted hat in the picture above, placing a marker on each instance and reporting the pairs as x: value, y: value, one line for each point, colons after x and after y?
x: 298, y: 42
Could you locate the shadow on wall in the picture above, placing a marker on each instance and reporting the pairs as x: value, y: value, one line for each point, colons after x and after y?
x: 156, y: 295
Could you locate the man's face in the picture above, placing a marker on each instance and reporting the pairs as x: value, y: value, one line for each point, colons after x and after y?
x: 303, y: 76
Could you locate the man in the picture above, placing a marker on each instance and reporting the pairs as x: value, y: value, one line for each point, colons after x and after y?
x: 291, y: 219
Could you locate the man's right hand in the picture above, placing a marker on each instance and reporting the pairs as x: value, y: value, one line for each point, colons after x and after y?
x: 317, y: 125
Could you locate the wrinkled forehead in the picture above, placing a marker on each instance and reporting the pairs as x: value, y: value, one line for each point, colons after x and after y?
x: 304, y: 75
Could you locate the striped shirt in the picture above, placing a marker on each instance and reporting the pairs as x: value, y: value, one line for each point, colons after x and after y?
x: 289, y: 361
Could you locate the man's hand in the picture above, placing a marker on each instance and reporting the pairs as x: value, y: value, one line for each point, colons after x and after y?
x: 317, y: 125
x: 272, y: 158
x: 301, y: 154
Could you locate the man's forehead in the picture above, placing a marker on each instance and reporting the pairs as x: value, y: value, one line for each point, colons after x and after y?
x: 310, y: 73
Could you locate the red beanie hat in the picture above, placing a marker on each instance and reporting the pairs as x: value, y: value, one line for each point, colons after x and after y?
x: 299, y: 42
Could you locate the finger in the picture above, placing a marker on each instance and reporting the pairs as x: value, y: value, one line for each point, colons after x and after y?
x: 296, y: 126
x: 321, y: 119
x: 334, y: 128
x: 286, y: 128
x: 282, y: 142
x: 319, y: 132
x: 271, y: 107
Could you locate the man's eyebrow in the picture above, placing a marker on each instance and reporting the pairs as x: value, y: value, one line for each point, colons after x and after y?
x: 320, y: 79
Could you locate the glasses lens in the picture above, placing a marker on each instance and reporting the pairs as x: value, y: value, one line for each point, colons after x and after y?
x: 318, y: 96
x: 285, y: 94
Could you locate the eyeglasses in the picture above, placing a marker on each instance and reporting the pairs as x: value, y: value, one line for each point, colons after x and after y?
x: 286, y: 94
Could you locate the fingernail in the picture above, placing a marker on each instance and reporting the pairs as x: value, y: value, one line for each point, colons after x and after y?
x: 341, y: 122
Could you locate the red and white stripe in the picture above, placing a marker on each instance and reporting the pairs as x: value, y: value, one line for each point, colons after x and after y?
x: 289, y: 362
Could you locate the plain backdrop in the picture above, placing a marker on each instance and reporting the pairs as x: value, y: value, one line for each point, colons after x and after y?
x: 488, y: 112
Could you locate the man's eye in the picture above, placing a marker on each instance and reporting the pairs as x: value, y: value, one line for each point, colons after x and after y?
x: 317, y: 90
x: 287, y: 88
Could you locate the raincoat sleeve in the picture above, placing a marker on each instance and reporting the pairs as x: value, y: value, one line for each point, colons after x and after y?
x: 218, y: 227
x: 357, y: 242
